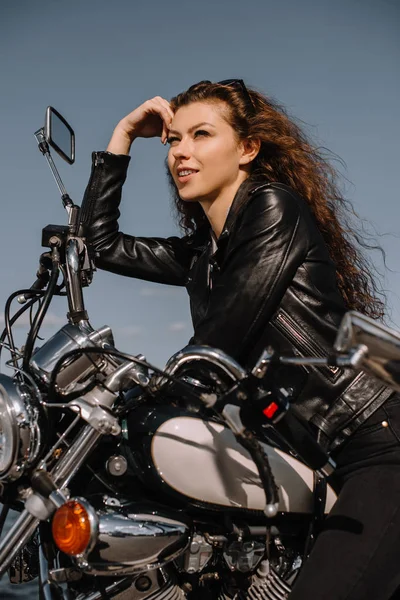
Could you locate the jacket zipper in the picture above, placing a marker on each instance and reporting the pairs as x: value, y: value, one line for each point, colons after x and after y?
x: 98, y: 160
x: 309, y: 348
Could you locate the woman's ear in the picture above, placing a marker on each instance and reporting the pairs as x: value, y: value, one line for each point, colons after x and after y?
x: 249, y: 150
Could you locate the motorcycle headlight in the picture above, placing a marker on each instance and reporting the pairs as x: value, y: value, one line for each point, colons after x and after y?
x: 7, y: 432
x: 19, y: 430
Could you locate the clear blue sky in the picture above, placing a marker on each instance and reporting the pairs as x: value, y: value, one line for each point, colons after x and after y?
x: 334, y: 65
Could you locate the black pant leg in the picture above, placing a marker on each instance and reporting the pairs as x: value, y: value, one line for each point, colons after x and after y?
x: 356, y: 557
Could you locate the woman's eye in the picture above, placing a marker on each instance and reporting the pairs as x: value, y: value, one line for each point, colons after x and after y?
x: 201, y: 132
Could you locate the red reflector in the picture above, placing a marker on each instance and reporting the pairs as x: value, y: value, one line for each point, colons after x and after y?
x: 270, y: 410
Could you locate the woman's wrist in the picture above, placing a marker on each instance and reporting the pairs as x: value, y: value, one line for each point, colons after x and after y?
x: 120, y: 142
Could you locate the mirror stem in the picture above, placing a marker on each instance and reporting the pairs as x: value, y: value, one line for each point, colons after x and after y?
x: 44, y: 149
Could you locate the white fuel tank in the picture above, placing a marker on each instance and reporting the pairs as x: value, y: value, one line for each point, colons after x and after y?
x: 203, y: 461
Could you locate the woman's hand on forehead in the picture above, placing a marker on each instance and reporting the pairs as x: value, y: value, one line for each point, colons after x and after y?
x: 150, y: 119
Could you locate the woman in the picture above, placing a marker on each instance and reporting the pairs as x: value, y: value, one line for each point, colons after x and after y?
x: 267, y: 261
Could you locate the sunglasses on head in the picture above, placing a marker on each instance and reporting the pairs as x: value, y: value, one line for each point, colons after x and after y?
x: 239, y: 84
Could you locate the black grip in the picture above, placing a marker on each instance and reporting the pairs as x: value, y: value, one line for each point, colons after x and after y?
x: 257, y: 453
x: 42, y: 483
x: 39, y: 284
x: 43, y: 275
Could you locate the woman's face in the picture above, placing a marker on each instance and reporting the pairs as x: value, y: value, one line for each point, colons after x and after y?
x: 204, y: 155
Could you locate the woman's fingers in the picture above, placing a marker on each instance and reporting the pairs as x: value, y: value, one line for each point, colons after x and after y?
x: 166, y: 115
x: 150, y: 119
x: 166, y: 107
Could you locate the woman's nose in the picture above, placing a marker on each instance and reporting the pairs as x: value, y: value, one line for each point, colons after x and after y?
x: 181, y: 149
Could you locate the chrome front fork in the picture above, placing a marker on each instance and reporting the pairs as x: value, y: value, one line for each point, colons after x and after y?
x: 95, y: 408
x: 26, y: 524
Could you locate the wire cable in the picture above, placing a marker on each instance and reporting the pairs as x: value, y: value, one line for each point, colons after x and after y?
x: 49, y: 293
x: 117, y: 353
x: 10, y: 322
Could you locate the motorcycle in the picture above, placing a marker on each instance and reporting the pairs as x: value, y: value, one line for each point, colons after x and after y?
x: 134, y: 482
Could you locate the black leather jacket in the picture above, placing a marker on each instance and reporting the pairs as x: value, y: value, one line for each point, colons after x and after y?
x: 270, y: 282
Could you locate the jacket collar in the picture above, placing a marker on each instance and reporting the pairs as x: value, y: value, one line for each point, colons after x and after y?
x: 246, y: 189
x: 202, y: 236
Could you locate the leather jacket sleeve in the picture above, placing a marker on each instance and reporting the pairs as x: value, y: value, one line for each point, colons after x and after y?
x: 269, y: 243
x: 162, y: 260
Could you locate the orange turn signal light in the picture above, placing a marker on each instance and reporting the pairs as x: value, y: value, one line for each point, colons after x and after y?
x: 71, y: 528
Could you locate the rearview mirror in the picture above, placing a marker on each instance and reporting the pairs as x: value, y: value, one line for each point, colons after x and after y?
x: 59, y: 135
x: 383, y: 343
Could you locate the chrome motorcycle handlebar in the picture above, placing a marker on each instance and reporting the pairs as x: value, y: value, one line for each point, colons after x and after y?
x: 354, y: 358
x: 194, y: 353
x: 77, y: 312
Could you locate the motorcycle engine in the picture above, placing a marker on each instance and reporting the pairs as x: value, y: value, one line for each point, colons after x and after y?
x: 253, y: 576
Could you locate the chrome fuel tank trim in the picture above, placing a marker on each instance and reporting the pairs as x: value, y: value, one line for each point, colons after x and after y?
x: 129, y: 542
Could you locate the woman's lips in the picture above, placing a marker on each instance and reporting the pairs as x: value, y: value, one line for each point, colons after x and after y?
x: 186, y: 178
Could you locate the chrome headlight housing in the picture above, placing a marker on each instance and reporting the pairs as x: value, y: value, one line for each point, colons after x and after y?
x: 19, y: 429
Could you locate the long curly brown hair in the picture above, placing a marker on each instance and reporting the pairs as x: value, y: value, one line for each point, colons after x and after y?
x: 286, y: 155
